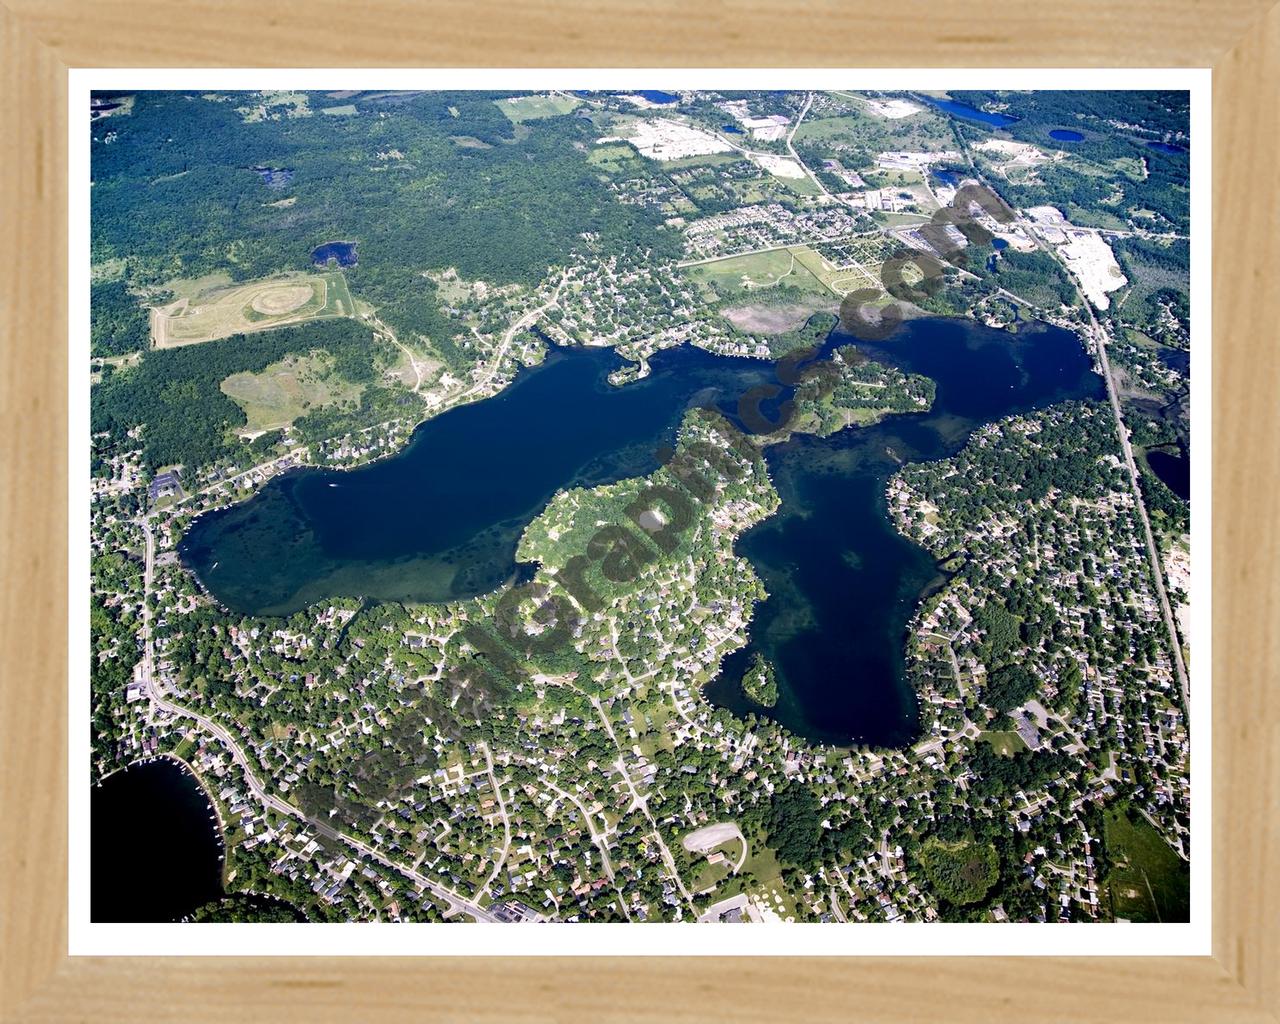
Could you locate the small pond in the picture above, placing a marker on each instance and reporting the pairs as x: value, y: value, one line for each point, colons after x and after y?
x: 344, y: 253
x: 1174, y: 468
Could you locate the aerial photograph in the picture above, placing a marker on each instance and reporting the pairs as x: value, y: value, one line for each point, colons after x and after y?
x: 639, y: 506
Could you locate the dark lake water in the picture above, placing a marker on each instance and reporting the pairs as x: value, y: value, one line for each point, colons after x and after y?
x: 1065, y: 135
x: 654, y: 96
x: 947, y: 176
x: 441, y: 519
x: 343, y: 252
x: 731, y: 128
x: 1173, y: 469
x: 154, y: 849
x: 1164, y: 147
x: 971, y: 113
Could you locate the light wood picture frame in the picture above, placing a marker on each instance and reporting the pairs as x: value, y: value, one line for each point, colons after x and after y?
x: 42, y: 39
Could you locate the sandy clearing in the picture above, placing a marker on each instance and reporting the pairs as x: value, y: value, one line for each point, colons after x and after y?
x: 779, y: 166
x: 664, y: 139
x: 709, y: 837
x: 893, y: 109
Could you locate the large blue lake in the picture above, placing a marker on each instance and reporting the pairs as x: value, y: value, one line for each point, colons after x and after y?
x: 441, y: 519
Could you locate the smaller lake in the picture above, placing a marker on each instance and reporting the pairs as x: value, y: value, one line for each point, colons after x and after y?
x: 342, y: 252
x: 1065, y: 135
x: 972, y: 113
x: 654, y: 96
x: 1173, y: 470
x: 155, y: 851
x: 1164, y: 147
x: 947, y: 176
x: 732, y: 128
x: 275, y: 177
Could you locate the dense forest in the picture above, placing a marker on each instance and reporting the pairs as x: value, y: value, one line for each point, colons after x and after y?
x: 118, y: 324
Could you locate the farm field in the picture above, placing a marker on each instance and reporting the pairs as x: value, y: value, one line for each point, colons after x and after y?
x: 616, y: 158
x: 288, y: 390
x: 222, y: 310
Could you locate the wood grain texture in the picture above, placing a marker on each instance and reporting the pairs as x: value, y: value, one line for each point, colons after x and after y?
x: 583, y: 33
x: 1246, y: 548
x: 33, y: 514
x: 40, y: 38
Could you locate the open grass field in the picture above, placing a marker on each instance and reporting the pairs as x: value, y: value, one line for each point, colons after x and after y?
x: 288, y: 390
x: 738, y: 275
x: 221, y: 310
x: 1148, y: 881
x: 762, y: 867
x: 530, y: 108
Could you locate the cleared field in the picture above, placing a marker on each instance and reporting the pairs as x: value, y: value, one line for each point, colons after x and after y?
x: 222, y: 310
x: 531, y: 108
x: 923, y: 132
x: 287, y: 390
